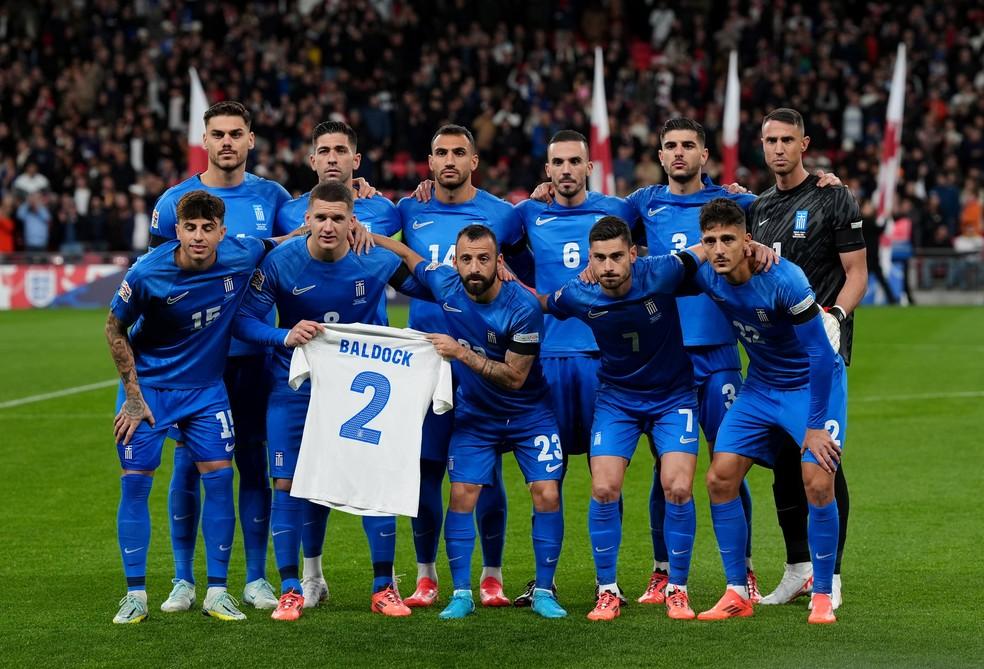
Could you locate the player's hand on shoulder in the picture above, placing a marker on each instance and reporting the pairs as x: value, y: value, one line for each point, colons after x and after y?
x: 588, y: 275
x: 300, y: 231
x: 543, y: 193
x: 302, y: 333
x: 423, y: 191
x: 359, y: 238
x: 764, y: 256
x: 446, y: 347
x: 505, y: 274
x: 133, y: 412
x: 824, y: 449
x: 363, y: 189
x: 736, y: 189
x: 828, y: 179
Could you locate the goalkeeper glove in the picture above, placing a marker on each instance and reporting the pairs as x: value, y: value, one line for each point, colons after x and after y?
x: 832, y: 319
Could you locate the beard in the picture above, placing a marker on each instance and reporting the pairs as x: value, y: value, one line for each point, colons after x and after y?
x: 476, y: 284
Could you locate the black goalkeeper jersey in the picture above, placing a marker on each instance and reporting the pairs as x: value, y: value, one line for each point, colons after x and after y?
x: 812, y: 226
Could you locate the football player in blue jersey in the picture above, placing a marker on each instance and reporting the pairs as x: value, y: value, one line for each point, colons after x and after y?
x: 795, y: 385
x: 430, y: 229
x: 492, y: 334
x: 318, y: 278
x: 558, y: 236
x: 334, y: 158
x: 669, y: 214
x: 251, y: 205
x: 168, y: 331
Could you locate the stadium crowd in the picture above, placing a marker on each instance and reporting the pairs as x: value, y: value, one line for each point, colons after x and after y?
x: 94, y: 103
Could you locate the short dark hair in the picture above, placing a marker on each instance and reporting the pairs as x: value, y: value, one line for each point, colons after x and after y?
x: 785, y: 115
x: 610, y: 227
x: 335, y: 127
x: 332, y: 191
x: 200, y: 204
x: 568, y: 136
x: 721, y: 211
x: 452, y: 129
x: 683, y: 123
x: 477, y: 231
x: 229, y: 108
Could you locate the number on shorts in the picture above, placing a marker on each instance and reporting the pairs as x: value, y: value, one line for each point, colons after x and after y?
x: 834, y: 428
x: 777, y: 247
x: 355, y: 427
x: 689, y: 413
x: 543, y: 442
x: 228, y: 429
x: 728, y: 390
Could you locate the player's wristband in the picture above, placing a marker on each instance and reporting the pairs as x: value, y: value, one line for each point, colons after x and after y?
x: 837, y: 311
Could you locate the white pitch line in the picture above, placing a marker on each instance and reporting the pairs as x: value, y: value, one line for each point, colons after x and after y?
x: 58, y: 393
x: 921, y: 396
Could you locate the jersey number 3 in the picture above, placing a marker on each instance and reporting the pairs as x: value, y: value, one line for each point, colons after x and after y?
x: 355, y: 427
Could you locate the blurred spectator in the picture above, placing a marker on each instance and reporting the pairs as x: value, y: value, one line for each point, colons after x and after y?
x: 35, y: 221
x: 30, y: 181
x: 7, y: 225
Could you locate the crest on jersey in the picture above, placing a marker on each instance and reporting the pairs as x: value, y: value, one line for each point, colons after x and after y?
x: 154, y: 218
x: 490, y: 335
x: 360, y: 292
x: 800, y: 223
x: 257, y: 280
x: 450, y: 463
x: 258, y: 212
x: 125, y: 291
x: 651, y: 310
x: 227, y: 282
x: 762, y: 315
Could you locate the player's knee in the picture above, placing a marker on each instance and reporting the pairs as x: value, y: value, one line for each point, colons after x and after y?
x: 283, y: 484
x: 678, y: 491
x: 604, y: 491
x: 720, y: 485
x: 546, y: 496
x: 819, y: 490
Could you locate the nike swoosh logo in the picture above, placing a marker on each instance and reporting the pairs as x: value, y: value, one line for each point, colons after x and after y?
x: 653, y: 212
x: 596, y: 314
x: 448, y: 307
x: 172, y: 300
x: 763, y: 221
x: 419, y: 225
x: 680, y: 552
x: 187, y: 515
x: 419, y: 534
x: 230, y: 447
x: 129, y: 552
x: 553, y: 468
x: 457, y: 557
x: 310, y: 522
x: 725, y: 550
x: 280, y: 532
x: 687, y: 440
x: 823, y: 557
x: 541, y: 221
x: 301, y: 291
x: 225, y: 548
x: 489, y: 537
x: 603, y: 550
x: 551, y: 561
x: 259, y: 520
x: 391, y: 534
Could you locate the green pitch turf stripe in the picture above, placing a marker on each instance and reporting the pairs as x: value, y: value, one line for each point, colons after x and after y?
x: 31, y: 399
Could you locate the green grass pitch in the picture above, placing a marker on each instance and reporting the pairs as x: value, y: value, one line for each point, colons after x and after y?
x: 912, y: 573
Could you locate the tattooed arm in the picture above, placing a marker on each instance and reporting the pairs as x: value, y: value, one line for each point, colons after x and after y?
x: 134, y: 409
x: 510, y: 374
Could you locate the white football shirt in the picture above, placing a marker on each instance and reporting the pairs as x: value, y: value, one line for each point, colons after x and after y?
x: 370, y: 389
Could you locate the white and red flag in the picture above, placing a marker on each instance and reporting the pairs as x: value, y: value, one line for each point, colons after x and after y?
x: 888, y: 173
x: 602, y: 178
x: 732, y: 102
x: 197, y: 156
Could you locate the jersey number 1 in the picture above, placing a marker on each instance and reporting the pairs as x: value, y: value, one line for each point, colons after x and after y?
x: 355, y: 427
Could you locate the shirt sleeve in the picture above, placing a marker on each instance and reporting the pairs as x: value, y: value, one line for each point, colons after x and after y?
x: 250, y: 323
x: 404, y: 281
x: 389, y: 222
x: 846, y: 217
x: 300, y: 368
x: 526, y: 331
x: 435, y: 276
x: 164, y: 220
x: 562, y: 303
x: 664, y: 273
x: 128, y: 302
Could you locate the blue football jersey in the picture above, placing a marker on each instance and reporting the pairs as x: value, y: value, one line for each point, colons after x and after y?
x: 182, y: 320
x: 251, y: 211
x: 762, y: 313
x: 558, y: 236
x: 512, y: 321
x: 672, y: 223
x: 304, y: 288
x: 377, y: 214
x: 639, y: 333
x: 431, y: 229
